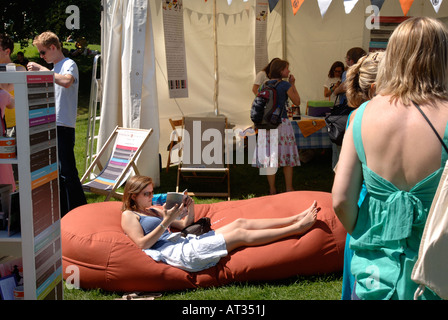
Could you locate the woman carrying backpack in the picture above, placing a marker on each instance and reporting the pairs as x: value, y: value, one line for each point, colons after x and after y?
x: 287, y: 155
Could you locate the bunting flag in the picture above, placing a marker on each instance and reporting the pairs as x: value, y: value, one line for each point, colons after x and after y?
x: 349, y: 5
x: 296, y: 5
x: 323, y: 6
x: 272, y: 4
x: 378, y: 3
x: 406, y: 5
x: 436, y: 4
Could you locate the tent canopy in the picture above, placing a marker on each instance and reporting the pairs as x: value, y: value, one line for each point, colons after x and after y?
x: 135, y: 91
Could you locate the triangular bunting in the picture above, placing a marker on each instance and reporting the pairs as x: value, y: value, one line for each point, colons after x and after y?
x: 378, y: 3
x: 349, y: 5
x: 226, y: 18
x: 323, y: 6
x: 296, y: 5
x: 406, y: 5
x: 436, y: 4
x: 272, y: 4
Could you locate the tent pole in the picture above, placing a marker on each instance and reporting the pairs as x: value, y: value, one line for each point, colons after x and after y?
x: 284, y: 30
x: 215, y: 36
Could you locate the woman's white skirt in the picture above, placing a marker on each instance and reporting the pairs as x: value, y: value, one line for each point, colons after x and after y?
x: 192, y: 253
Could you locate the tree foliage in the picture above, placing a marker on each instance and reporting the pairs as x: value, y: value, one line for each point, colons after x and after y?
x: 24, y: 19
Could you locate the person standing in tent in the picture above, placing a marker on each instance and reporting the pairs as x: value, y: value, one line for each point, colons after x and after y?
x: 391, y: 147
x: 351, y: 58
x: 287, y: 153
x: 361, y: 87
x: 66, y: 80
x: 333, y: 80
x: 262, y: 77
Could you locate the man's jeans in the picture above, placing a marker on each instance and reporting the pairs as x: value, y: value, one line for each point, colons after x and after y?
x: 71, y: 194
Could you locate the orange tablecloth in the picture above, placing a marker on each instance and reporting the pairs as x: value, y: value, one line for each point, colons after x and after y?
x: 308, y: 126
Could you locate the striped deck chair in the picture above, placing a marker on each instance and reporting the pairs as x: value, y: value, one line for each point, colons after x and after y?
x: 127, y: 146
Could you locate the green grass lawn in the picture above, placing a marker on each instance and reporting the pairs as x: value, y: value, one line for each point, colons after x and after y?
x: 245, y: 183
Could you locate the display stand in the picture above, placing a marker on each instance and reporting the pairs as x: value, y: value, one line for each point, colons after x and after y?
x: 39, y: 239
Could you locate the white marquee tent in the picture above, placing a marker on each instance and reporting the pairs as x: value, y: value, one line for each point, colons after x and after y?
x: 220, y: 58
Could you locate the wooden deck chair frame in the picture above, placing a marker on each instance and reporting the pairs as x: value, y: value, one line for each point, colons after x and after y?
x: 191, y: 171
x: 104, y: 185
x: 175, y: 124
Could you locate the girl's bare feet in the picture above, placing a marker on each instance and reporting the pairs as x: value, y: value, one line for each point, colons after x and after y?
x: 302, y: 214
x: 306, y: 219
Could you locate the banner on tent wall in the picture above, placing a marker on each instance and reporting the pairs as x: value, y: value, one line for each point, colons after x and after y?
x: 176, y: 63
x: 261, y: 42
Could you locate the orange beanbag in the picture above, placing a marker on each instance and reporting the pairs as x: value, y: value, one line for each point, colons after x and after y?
x: 94, y: 244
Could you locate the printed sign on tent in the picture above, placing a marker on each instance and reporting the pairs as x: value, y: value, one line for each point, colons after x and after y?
x: 261, y: 42
x: 176, y: 63
x: 406, y: 5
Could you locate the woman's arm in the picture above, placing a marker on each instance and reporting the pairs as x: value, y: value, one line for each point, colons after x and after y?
x: 329, y: 91
x: 255, y: 88
x: 347, y: 183
x: 340, y: 89
x: 131, y: 226
x: 292, y: 92
x: 6, y: 100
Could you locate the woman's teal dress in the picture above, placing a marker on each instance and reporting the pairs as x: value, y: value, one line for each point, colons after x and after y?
x: 389, y: 228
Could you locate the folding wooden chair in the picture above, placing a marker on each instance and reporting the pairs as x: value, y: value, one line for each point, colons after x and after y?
x: 127, y: 145
x: 204, y: 160
x: 175, y: 136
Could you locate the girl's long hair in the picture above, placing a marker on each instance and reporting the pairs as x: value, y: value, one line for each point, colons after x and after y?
x: 415, y: 65
x: 134, y: 185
